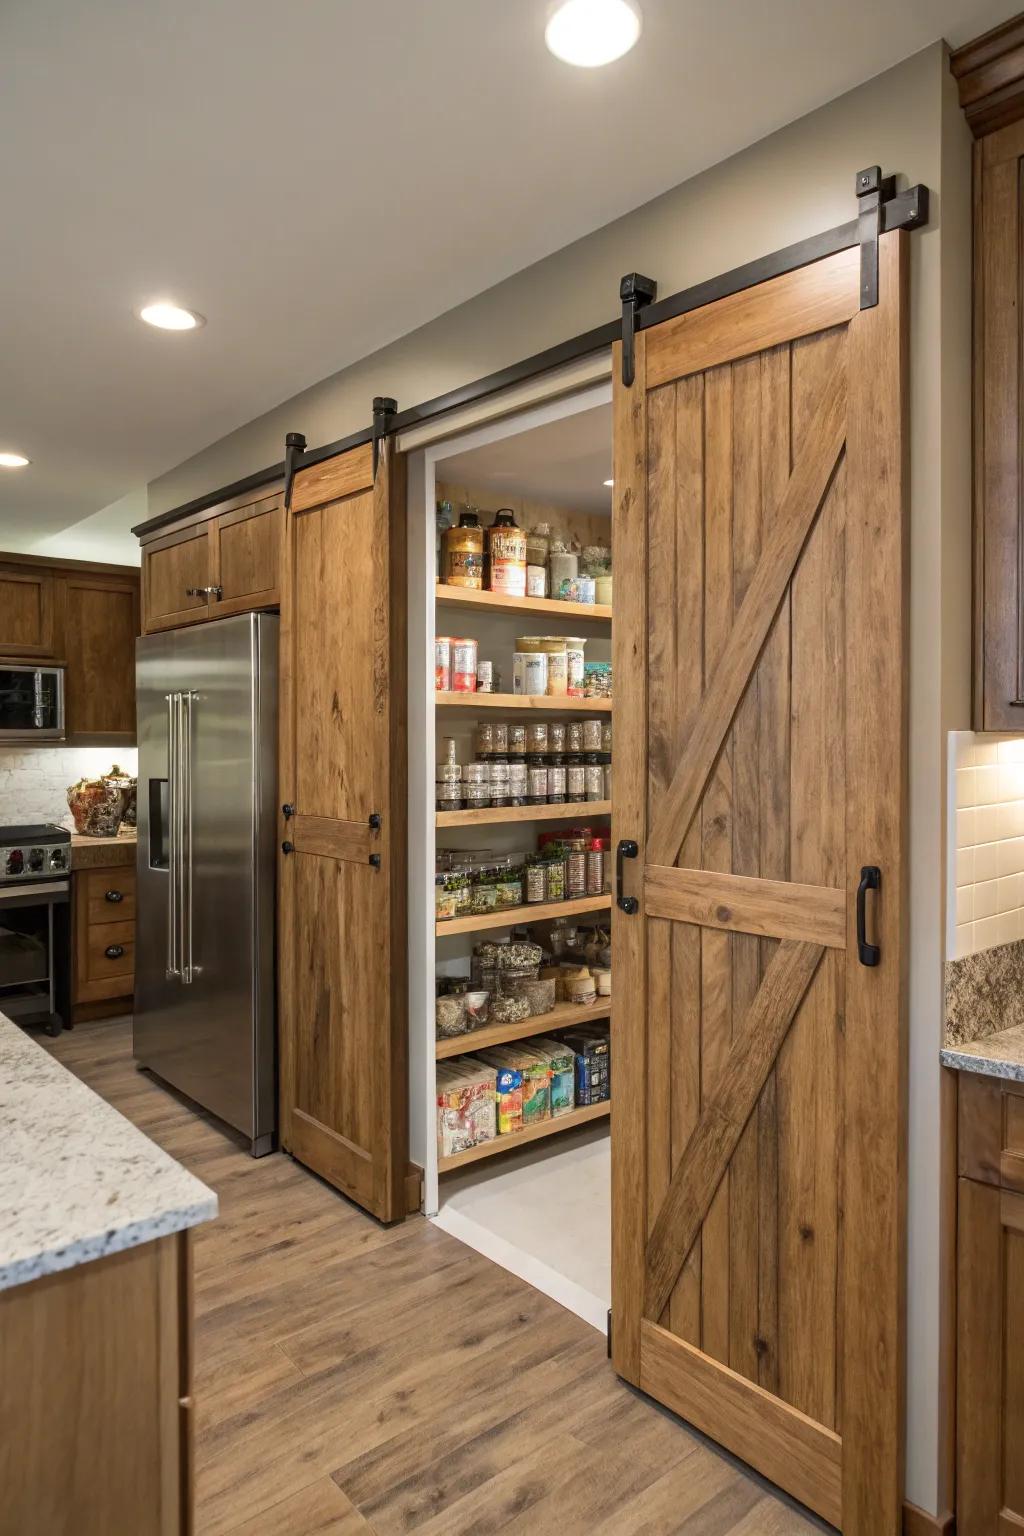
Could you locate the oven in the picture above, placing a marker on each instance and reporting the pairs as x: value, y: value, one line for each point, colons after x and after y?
x: 35, y: 926
x: 31, y: 703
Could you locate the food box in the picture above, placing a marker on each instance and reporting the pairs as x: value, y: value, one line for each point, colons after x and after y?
x: 592, y: 1046
x: 561, y: 1062
x: 465, y: 1105
x: 535, y: 1080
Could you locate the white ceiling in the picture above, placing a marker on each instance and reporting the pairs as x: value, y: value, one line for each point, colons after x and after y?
x: 564, y: 463
x: 321, y: 177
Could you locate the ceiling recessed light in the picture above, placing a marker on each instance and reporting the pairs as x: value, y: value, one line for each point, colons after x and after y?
x: 13, y: 461
x: 170, y: 317
x: 592, y: 32
x: 609, y: 482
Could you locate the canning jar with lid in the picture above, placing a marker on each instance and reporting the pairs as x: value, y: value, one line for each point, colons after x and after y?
x: 557, y: 737
x: 554, y: 879
x: 537, y: 737
x: 535, y: 883
x: 575, y: 783
x: 536, y: 785
x: 516, y: 739
x: 574, y: 737
x: 591, y: 735
x: 483, y: 738
x: 556, y: 784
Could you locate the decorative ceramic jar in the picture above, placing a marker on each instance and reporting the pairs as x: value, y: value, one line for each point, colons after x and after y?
x: 97, y: 807
x: 119, y: 779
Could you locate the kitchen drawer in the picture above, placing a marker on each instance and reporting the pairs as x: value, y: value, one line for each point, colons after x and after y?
x: 991, y: 1130
x: 110, y: 951
x: 109, y: 895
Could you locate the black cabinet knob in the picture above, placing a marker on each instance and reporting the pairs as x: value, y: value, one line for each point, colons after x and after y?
x: 114, y: 951
x: 113, y: 896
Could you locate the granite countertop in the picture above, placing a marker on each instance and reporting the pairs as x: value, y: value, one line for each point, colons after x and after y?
x: 103, y: 852
x: 997, y: 1055
x: 77, y: 1180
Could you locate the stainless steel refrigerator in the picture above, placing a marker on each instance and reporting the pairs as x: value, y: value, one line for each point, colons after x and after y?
x: 204, y: 972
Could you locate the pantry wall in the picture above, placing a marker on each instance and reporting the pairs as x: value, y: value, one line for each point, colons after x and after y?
x: 535, y: 1199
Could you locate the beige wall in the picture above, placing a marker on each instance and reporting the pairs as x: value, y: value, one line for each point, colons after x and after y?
x: 793, y: 184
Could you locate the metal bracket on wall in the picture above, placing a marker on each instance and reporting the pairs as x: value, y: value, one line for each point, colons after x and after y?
x: 294, y: 448
x: 385, y: 409
x: 873, y: 191
x: 636, y: 292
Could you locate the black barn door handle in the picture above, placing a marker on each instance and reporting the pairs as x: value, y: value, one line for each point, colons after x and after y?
x: 870, y: 880
x: 627, y: 849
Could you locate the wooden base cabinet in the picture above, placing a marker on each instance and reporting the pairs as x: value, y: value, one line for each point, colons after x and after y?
x: 990, y: 1309
x: 95, y: 1398
x: 103, y: 918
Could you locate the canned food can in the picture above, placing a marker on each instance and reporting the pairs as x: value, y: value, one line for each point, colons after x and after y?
x: 536, y: 581
x: 574, y: 668
x: 485, y: 677
x: 530, y: 673
x: 464, y: 659
x: 443, y: 664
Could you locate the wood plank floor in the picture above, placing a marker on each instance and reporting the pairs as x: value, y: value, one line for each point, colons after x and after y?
x: 353, y: 1380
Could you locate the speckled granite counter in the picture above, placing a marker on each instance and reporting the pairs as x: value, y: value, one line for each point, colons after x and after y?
x: 103, y: 852
x: 998, y: 1055
x: 77, y: 1180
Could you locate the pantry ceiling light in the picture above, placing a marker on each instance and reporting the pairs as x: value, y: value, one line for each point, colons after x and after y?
x: 12, y: 461
x: 170, y: 317
x: 589, y: 33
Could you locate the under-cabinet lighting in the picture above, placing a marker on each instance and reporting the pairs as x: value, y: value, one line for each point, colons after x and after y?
x: 13, y: 461
x: 589, y: 33
x: 170, y: 317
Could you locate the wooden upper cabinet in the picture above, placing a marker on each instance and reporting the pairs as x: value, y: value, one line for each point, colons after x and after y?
x: 999, y: 527
x: 176, y: 573
x: 224, y: 561
x: 27, y: 613
x: 101, y: 621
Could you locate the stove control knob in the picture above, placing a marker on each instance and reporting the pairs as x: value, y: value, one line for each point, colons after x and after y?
x: 58, y: 858
x: 15, y: 861
x: 35, y: 858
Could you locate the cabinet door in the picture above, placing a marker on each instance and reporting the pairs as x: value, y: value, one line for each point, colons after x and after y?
x: 101, y: 621
x: 999, y: 531
x: 174, y: 569
x: 248, y: 557
x: 990, y: 1364
x: 342, y: 936
x: 27, y: 613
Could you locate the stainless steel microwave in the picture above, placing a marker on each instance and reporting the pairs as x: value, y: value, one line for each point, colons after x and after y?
x: 31, y: 703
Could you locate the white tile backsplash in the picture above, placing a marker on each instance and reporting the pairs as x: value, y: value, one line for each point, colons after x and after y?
x: 34, y: 780
x: 986, y: 844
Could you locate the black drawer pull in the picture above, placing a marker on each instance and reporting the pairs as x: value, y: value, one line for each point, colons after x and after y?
x: 114, y: 951
x: 113, y: 896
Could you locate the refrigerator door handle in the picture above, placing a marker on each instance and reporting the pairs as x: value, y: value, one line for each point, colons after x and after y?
x: 187, y: 968
x: 173, y: 968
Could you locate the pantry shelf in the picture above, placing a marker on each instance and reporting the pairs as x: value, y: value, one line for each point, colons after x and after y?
x: 498, y: 602
x: 511, y: 917
x: 564, y: 1016
x: 519, y: 1138
x: 495, y: 816
x: 556, y: 706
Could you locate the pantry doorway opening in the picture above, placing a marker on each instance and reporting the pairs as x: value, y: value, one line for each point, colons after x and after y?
x: 510, y: 882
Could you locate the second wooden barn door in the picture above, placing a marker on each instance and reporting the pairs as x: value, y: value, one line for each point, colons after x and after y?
x: 343, y: 875
x: 760, y: 551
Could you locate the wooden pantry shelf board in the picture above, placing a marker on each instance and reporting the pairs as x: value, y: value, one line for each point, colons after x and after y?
x: 498, y: 602
x: 520, y: 1138
x: 511, y: 917
x: 495, y: 815
x: 563, y: 1016
x: 555, y: 706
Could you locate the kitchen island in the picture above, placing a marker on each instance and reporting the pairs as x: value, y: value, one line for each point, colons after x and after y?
x: 95, y: 1310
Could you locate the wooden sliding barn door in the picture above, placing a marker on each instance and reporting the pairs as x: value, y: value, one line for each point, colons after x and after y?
x: 760, y: 540
x: 343, y: 874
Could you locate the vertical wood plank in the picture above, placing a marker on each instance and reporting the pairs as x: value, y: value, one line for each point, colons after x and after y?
x: 746, y: 860
x: 773, y: 792
x: 877, y: 595
x: 629, y: 819
x: 979, y: 1357
x: 716, y: 837
x: 685, y: 1305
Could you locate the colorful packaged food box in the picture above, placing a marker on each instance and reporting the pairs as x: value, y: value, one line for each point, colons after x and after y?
x: 561, y: 1062
x: 593, y: 1063
x: 465, y: 1105
x: 535, y: 1078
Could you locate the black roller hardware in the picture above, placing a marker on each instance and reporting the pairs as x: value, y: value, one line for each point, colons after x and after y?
x: 287, y: 847
x: 288, y: 811
x: 636, y: 293
x: 114, y: 951
x: 375, y: 820
x: 113, y: 896
x: 870, y: 880
x: 627, y: 849
x: 375, y: 860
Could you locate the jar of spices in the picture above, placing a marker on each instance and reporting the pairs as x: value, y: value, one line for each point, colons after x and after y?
x: 595, y: 867
x: 591, y: 735
x: 500, y: 737
x: 450, y: 750
x: 506, y: 552
x: 558, y: 736
x: 606, y: 735
x: 556, y: 784
x: 537, y: 737
x: 449, y: 797
x: 575, y: 868
x: 476, y: 796
x: 516, y: 740
x: 538, y: 542
x: 574, y: 736
x: 462, y: 553
x: 574, y: 663
x: 594, y: 776
x: 554, y: 878
x: 556, y: 650
x: 483, y: 738
x: 499, y: 773
x: 478, y: 773
x: 536, y: 785
x: 449, y: 773
x: 483, y: 891
x: 535, y: 883
x: 508, y: 873
x: 575, y: 782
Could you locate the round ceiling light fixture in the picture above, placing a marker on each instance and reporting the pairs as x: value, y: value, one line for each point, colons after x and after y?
x: 13, y: 460
x: 589, y: 33
x: 170, y: 317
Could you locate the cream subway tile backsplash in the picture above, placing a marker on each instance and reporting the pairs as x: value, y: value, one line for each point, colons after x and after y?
x: 986, y: 843
x: 34, y: 780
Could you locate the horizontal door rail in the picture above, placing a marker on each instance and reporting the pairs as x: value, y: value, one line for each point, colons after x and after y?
x: 348, y: 840
x: 773, y: 909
